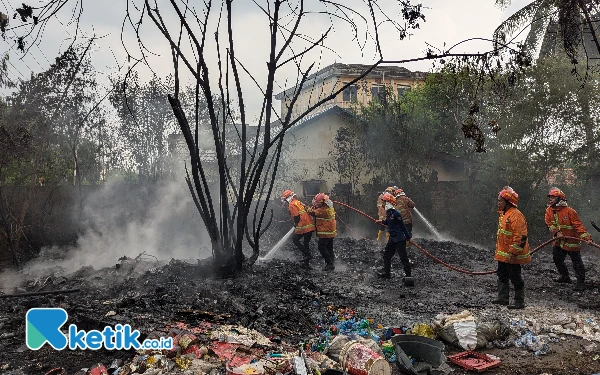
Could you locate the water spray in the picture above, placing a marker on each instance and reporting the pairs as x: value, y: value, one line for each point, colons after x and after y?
x: 277, y: 245
x: 429, y: 225
x: 455, y: 268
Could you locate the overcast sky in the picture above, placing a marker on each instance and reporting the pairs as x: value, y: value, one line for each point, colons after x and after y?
x: 447, y: 23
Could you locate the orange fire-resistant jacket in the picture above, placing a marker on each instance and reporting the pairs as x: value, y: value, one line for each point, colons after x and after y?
x: 380, y: 207
x: 404, y: 205
x: 325, y: 221
x: 564, y: 219
x: 306, y: 223
x: 512, y: 226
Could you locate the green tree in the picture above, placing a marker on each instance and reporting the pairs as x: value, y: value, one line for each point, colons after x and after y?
x: 56, y: 109
x: 347, y: 158
x: 145, y: 121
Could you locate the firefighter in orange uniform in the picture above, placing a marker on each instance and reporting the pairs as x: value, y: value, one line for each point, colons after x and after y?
x: 562, y: 221
x: 303, y: 225
x: 512, y: 249
x: 325, y: 222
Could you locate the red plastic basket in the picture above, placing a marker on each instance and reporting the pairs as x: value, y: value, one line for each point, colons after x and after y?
x: 474, y: 361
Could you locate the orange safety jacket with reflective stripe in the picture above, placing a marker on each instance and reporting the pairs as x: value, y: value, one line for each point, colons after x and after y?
x: 306, y: 223
x: 325, y: 222
x: 404, y: 205
x: 564, y: 219
x: 512, y: 226
x: 380, y: 207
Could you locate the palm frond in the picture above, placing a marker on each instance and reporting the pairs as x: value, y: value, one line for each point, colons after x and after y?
x: 516, y: 21
x: 503, y: 4
x: 539, y: 27
x: 570, y: 21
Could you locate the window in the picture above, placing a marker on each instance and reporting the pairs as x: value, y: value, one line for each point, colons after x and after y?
x: 377, y: 93
x: 311, y: 187
x: 402, y: 90
x: 351, y: 94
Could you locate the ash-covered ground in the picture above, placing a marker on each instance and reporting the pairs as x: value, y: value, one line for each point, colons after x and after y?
x: 277, y: 297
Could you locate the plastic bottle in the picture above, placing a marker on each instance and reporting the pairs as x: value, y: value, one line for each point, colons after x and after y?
x: 543, y: 350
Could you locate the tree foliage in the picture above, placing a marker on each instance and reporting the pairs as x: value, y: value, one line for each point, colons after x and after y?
x: 573, y: 21
x: 48, y: 133
x: 145, y: 121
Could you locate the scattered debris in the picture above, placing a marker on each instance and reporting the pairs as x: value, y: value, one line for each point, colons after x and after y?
x: 259, y: 322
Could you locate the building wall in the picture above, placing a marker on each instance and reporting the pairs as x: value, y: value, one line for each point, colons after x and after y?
x: 309, y: 150
x: 311, y: 95
x: 365, y: 86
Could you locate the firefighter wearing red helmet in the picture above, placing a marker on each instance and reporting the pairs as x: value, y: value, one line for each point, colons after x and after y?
x: 398, y: 237
x: 303, y: 225
x: 512, y: 249
x: 563, y: 220
x: 326, y: 228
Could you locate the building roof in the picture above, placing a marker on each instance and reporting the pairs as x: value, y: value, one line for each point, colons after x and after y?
x: 354, y: 70
x: 335, y: 110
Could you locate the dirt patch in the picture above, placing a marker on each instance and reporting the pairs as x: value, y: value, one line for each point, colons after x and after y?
x: 278, y: 298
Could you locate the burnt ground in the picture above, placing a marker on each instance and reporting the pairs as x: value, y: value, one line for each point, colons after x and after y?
x: 276, y: 297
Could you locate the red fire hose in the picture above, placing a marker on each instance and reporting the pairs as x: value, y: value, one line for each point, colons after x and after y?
x: 455, y: 268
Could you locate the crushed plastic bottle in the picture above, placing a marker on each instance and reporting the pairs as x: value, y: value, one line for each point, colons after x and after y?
x: 544, y: 349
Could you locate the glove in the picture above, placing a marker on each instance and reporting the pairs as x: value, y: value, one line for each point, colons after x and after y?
x: 559, y: 235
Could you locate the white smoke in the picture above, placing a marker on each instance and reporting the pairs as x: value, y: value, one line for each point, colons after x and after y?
x: 119, y: 222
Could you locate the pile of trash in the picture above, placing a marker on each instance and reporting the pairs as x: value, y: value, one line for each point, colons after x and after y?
x: 344, y: 342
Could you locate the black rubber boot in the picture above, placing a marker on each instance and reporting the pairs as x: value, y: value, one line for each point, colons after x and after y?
x: 579, y: 271
x: 519, y: 302
x: 306, y: 264
x: 558, y: 255
x: 563, y: 279
x: 503, y: 292
x: 579, y: 287
x: 386, y: 273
